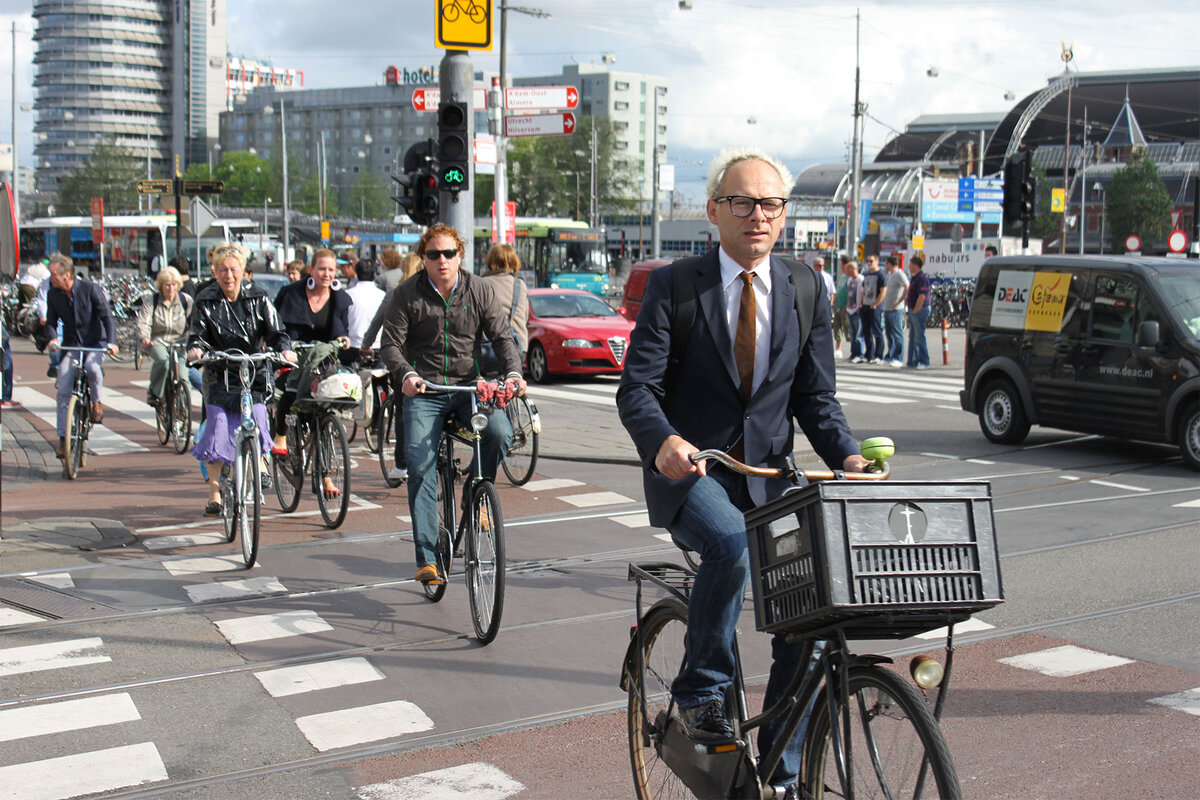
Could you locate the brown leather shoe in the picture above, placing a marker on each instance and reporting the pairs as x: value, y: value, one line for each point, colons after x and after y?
x: 97, y: 413
x: 428, y: 574
x: 61, y: 450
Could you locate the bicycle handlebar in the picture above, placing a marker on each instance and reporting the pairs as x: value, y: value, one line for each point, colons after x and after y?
x: 83, y: 349
x: 239, y: 356
x: 811, y: 475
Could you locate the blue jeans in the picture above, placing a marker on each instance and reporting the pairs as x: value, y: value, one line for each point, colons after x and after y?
x: 6, y: 391
x: 918, y: 353
x: 66, y: 382
x: 872, y: 327
x: 894, y: 320
x: 710, y: 523
x: 856, y: 335
x: 423, y: 416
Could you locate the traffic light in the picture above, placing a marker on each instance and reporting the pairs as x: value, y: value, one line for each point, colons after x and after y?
x: 1020, y: 189
x: 454, y: 146
x: 1028, y: 192
x: 419, y: 184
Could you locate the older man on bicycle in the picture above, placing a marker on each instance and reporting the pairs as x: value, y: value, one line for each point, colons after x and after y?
x: 87, y: 322
x: 433, y: 331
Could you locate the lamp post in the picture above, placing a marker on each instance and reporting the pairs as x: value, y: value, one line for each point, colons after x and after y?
x: 262, y: 233
x: 270, y: 109
x: 1099, y: 189
x: 655, y: 239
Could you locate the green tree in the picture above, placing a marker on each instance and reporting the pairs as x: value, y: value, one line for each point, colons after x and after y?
x: 247, y: 178
x: 369, y: 197
x: 306, y: 197
x: 1138, y: 203
x: 549, y: 175
x: 111, y: 173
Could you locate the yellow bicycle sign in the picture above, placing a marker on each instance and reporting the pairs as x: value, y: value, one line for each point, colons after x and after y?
x: 464, y: 24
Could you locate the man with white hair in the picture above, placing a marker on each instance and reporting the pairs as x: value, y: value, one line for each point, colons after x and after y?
x: 759, y: 352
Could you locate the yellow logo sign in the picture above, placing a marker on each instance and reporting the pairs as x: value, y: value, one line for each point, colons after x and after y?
x: 1058, y: 200
x: 1047, y: 299
x: 464, y: 24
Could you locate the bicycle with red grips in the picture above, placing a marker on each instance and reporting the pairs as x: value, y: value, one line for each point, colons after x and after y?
x: 479, y: 536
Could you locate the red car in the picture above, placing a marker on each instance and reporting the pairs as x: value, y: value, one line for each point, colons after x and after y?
x: 574, y: 333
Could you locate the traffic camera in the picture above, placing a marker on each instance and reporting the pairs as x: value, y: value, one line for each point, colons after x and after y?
x: 454, y: 149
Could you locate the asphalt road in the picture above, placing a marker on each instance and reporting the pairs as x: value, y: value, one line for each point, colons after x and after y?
x: 160, y: 666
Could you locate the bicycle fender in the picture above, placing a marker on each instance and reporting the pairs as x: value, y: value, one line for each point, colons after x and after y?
x: 869, y: 660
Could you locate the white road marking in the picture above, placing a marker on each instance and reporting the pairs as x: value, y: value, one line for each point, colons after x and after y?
x: 1069, y: 477
x: 908, y: 378
x: 641, y: 520
x: 1124, y: 486
x: 960, y: 628
x: 1188, y: 504
x: 351, y: 726
x: 314, y: 677
x: 590, y: 499
x: 1188, y: 701
x: 1065, y: 661
x: 610, y: 388
x: 241, y: 630
x: 130, y: 407
x: 899, y: 388
x: 52, y: 655
x: 83, y: 773
x: 230, y: 590
x: 979, y: 461
x: 873, y: 398
x: 55, y: 580
x: 184, y: 540
x: 666, y: 537
x: 356, y: 504
x: 578, y: 397
x: 547, y: 484
x: 101, y: 441
x: 192, y: 566
x: 404, y: 518
x: 69, y: 715
x: 12, y: 616
x: 939, y: 455
x: 476, y: 781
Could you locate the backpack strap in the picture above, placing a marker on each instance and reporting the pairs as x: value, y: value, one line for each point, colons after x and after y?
x: 683, y: 314
x: 808, y: 285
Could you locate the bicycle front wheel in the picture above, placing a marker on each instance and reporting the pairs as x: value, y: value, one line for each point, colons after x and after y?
x: 287, y: 472
x: 662, y: 629
x: 485, y: 561
x: 370, y: 411
x: 896, y: 747
x: 181, y: 416
x: 523, y: 452
x: 248, y: 488
x: 162, y: 419
x: 229, y: 504
x: 73, y: 441
x: 332, y: 461
x: 385, y: 436
x: 445, y: 505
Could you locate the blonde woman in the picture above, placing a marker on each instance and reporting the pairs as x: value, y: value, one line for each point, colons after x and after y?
x: 164, y: 319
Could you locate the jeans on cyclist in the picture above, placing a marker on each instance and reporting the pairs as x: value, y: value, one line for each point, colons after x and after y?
x: 423, y: 417
x: 158, y: 355
x: 66, y: 382
x: 710, y: 522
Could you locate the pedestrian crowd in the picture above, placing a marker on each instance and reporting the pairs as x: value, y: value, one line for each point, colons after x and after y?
x: 873, y: 306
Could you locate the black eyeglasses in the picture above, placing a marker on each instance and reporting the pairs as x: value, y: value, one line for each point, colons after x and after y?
x: 742, y: 206
x: 432, y: 255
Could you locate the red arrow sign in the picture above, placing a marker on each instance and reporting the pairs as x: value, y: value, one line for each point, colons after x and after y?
x: 572, y: 97
x: 540, y: 124
x: 426, y: 99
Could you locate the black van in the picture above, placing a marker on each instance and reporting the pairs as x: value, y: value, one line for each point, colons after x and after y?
x: 1107, y: 345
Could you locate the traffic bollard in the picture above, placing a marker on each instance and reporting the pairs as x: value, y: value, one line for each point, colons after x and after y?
x: 945, y: 341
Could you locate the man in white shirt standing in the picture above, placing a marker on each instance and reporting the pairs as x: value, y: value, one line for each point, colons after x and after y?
x: 365, y: 297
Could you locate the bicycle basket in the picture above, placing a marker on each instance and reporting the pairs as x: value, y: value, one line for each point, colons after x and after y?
x: 337, y: 386
x: 882, y: 560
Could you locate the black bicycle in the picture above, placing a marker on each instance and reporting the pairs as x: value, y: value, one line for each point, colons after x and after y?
x: 79, y: 413
x: 317, y: 445
x: 871, y: 733
x: 479, y: 535
x: 173, y: 415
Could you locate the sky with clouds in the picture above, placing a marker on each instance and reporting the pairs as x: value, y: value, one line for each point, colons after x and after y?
x: 778, y: 74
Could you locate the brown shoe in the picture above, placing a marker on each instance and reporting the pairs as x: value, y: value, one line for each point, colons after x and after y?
x: 61, y: 450
x: 428, y: 574
x: 97, y: 413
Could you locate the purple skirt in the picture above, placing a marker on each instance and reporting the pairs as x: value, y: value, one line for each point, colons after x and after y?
x: 216, y: 442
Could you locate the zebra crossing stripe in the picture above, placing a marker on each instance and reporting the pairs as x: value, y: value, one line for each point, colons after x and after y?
x: 641, y: 520
x: 476, y: 781
x: 351, y: 726
x: 83, y: 773
x: 242, y: 630
x: 1065, y: 661
x: 69, y: 715
x: 1188, y: 701
x: 592, y: 499
x: 52, y: 655
x: 314, y: 677
x: 547, y: 484
x: 232, y: 590
x: 11, y: 616
x: 101, y: 441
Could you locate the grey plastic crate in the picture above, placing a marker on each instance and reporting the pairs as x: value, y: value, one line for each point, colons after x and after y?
x: 880, y: 560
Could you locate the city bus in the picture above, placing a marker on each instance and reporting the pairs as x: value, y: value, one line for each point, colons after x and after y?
x: 556, y: 253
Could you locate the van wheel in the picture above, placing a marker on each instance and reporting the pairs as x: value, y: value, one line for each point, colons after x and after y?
x: 1001, y: 416
x: 1189, y: 436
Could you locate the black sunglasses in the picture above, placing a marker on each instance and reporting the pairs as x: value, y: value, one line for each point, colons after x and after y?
x: 447, y: 254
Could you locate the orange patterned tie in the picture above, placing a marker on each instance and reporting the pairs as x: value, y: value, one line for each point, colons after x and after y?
x: 743, y: 341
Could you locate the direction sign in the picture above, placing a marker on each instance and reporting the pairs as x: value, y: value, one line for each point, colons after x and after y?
x: 203, y: 187
x: 528, y: 98
x: 540, y: 124
x: 156, y: 186
x: 428, y: 99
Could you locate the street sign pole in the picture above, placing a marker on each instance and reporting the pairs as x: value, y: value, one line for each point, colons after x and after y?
x: 458, y: 207
x: 178, y: 187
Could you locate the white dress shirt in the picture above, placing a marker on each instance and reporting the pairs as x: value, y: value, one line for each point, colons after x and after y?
x: 732, y: 281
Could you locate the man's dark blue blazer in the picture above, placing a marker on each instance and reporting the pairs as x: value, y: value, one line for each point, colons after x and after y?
x: 705, y: 406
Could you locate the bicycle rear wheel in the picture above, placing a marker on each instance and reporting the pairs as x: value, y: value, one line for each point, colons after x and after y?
x: 485, y: 561
x: 896, y: 747
x: 287, y: 472
x: 229, y: 506
x: 445, y: 505
x: 522, y: 454
x: 385, y: 436
x: 181, y: 416
x: 662, y: 629
x: 162, y: 419
x: 370, y: 410
x: 248, y: 487
x: 73, y: 441
x: 332, y: 461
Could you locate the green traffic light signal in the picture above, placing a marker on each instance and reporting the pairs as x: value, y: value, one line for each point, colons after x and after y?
x: 453, y: 178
